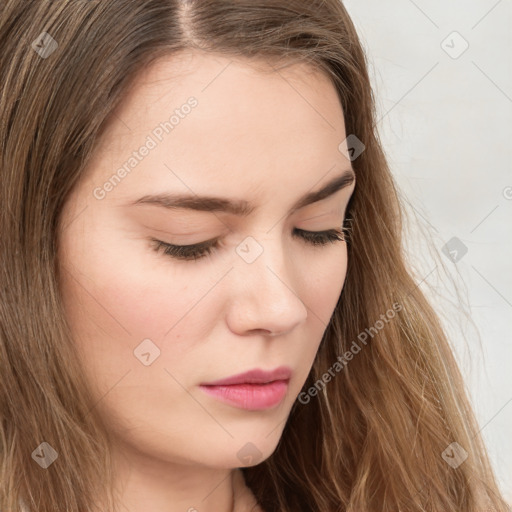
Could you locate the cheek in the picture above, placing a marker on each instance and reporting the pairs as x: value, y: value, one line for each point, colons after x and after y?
x: 323, y: 282
x: 320, y: 290
x: 126, y: 288
x: 113, y: 304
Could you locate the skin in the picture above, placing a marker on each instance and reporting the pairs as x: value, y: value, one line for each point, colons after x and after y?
x: 256, y: 134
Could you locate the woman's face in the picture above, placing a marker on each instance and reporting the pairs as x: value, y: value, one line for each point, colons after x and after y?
x: 150, y: 327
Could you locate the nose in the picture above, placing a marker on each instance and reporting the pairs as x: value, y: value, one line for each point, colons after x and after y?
x: 265, y: 295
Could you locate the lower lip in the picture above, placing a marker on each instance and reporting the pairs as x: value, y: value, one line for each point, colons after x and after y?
x: 252, y: 397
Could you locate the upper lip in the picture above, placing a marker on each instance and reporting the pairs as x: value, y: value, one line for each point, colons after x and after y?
x: 256, y: 376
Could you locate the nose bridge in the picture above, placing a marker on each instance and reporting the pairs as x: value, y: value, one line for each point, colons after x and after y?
x: 263, y: 256
x: 266, y: 290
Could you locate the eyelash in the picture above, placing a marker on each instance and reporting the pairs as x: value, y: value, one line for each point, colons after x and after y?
x: 202, y: 250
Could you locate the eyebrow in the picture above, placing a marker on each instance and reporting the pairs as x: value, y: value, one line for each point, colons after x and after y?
x: 241, y: 207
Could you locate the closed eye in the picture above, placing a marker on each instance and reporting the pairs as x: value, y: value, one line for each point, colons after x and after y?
x: 203, y: 249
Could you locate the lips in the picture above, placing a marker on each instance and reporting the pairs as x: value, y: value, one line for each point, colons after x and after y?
x: 256, y: 376
x: 253, y: 390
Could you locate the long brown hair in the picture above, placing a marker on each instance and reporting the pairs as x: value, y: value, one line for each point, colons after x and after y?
x: 378, y: 434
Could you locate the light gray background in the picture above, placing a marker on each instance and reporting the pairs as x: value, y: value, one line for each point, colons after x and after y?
x: 446, y: 125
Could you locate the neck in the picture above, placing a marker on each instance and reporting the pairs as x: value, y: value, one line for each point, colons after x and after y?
x: 145, y: 484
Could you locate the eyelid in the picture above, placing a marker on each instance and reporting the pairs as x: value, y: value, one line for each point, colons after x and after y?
x: 213, y: 240
x: 197, y: 245
x: 204, y: 250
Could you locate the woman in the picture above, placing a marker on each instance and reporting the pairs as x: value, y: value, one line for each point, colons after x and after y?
x: 205, y: 304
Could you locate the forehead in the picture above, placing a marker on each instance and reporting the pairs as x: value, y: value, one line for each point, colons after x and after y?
x: 251, y: 125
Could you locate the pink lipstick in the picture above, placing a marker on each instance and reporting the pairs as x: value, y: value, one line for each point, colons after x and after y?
x: 253, y: 390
